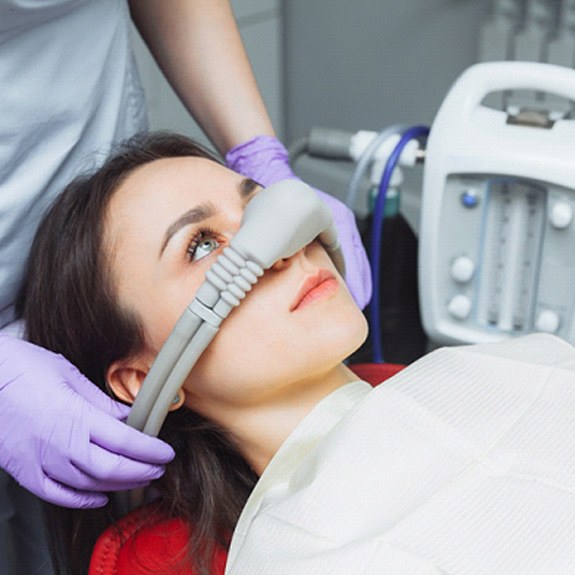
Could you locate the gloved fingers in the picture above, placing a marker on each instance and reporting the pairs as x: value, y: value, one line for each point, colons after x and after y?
x: 263, y: 158
x: 60, y: 493
x: 118, y: 438
x: 103, y: 471
x: 358, y: 271
x: 65, y: 496
x: 22, y: 360
x: 90, y: 392
x: 94, y: 452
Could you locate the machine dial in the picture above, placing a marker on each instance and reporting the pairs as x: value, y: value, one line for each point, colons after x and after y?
x: 548, y: 321
x: 460, y: 306
x: 561, y: 215
x: 462, y: 269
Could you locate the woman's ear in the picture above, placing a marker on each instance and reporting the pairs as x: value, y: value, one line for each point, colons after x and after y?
x: 125, y: 378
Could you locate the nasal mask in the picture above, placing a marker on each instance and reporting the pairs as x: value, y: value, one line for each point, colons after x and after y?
x: 277, y: 222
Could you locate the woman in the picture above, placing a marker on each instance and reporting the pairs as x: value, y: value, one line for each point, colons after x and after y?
x: 78, y: 55
x: 461, y: 464
x: 114, y: 264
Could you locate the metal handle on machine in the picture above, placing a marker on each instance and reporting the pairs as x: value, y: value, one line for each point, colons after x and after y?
x: 277, y: 222
x: 482, y: 79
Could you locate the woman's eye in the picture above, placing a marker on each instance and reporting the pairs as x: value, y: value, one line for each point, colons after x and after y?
x: 202, y: 246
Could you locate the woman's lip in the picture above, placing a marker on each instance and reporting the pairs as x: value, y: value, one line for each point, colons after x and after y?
x: 310, y: 287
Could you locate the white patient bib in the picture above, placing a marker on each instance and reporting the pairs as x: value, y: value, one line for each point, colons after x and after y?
x: 464, y: 463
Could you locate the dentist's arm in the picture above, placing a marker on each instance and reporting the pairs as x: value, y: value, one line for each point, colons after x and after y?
x: 198, y: 46
x: 61, y: 438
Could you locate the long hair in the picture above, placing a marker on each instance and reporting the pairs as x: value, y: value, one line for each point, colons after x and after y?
x: 69, y: 305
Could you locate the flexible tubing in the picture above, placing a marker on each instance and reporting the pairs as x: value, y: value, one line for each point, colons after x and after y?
x: 376, y: 231
x: 363, y: 163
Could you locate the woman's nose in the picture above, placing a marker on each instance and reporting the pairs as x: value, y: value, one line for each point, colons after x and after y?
x: 280, y: 264
x: 285, y: 262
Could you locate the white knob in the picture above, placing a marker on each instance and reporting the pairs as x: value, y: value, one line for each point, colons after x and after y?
x: 462, y: 269
x: 459, y: 306
x: 561, y: 215
x: 548, y: 321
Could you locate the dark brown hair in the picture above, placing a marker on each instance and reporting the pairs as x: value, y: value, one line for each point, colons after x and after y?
x: 69, y: 305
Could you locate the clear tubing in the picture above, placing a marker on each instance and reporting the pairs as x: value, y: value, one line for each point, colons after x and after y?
x: 363, y: 163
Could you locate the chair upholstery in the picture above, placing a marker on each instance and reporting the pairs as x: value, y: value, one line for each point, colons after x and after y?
x: 145, y: 542
x: 375, y: 373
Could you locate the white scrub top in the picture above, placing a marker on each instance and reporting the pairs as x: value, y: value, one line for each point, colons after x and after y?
x: 69, y: 88
x: 462, y: 464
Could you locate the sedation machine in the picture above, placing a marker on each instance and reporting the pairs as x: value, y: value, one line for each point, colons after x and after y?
x: 497, y: 236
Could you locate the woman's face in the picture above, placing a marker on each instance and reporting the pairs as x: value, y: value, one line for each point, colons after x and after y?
x: 165, y: 226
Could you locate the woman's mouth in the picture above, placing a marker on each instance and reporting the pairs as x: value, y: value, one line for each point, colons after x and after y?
x: 318, y: 286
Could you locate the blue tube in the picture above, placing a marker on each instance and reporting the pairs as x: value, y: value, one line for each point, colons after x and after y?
x: 376, y: 231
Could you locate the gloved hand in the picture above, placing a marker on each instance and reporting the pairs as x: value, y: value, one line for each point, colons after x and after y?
x: 61, y: 437
x: 266, y: 160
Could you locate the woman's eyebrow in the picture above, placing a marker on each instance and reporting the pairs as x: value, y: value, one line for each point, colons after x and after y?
x: 246, y: 189
x: 193, y: 216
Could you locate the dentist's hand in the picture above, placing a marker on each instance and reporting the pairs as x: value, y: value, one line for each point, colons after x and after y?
x: 266, y: 160
x: 61, y: 437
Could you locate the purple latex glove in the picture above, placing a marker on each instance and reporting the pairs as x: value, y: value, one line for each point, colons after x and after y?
x: 61, y: 437
x: 266, y: 160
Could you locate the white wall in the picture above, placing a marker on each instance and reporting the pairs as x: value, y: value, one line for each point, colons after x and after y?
x: 260, y: 25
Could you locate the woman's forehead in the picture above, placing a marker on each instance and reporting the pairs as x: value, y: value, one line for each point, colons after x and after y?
x: 172, y: 180
x: 155, y: 195
x: 193, y: 173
